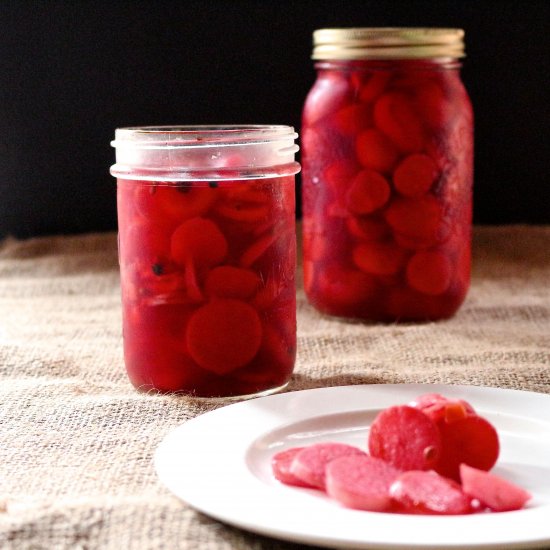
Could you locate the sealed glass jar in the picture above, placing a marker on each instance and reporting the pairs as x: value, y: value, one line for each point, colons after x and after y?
x: 387, y: 169
x: 207, y: 252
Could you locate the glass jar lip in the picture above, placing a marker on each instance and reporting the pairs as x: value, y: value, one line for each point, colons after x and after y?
x: 387, y: 43
x: 202, y: 135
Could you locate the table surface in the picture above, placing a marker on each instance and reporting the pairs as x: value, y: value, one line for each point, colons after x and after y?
x: 77, y: 441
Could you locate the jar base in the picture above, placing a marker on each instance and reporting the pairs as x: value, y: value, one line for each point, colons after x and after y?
x: 213, y: 399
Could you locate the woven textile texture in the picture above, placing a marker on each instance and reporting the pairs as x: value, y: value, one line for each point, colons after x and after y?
x: 77, y: 441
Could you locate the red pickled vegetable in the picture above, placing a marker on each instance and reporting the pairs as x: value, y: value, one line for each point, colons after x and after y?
x: 351, y: 119
x: 200, y: 240
x: 429, y: 272
x: 419, y: 222
x: 379, y: 258
x: 415, y: 175
x: 498, y: 494
x: 438, y: 407
x: 339, y: 173
x: 471, y: 440
x: 374, y: 86
x: 367, y: 228
x: 396, y: 118
x: 345, y: 288
x: 375, y: 151
x: 369, y: 191
x: 310, y: 463
x: 245, y: 205
x: 406, y: 438
x: 327, y: 95
x: 420, y: 492
x: 280, y: 465
x: 361, y: 482
x: 171, y: 204
x: 224, y: 335
x: 226, y: 281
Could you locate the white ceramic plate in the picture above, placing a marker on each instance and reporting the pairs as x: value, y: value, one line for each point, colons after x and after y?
x: 219, y: 463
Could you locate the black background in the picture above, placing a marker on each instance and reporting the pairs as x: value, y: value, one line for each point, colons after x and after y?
x: 71, y: 72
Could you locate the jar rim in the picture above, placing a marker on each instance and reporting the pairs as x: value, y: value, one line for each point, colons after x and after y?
x: 202, y: 135
x: 388, y: 43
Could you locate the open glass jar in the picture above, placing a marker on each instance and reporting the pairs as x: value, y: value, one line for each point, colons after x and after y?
x: 207, y: 252
x: 387, y: 158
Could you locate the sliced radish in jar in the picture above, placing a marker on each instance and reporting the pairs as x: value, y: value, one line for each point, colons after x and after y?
x: 226, y: 281
x: 429, y: 272
x: 379, y: 258
x: 374, y: 150
x: 396, y: 118
x: 415, y: 175
x: 369, y: 191
x: 224, y: 335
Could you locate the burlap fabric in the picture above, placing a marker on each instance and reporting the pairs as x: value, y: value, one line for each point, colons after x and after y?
x: 76, y: 440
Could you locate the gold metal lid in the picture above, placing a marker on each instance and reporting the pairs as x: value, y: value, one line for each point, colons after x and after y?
x: 387, y: 43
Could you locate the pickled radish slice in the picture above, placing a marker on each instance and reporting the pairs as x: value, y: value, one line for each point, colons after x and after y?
x: 471, y: 440
x: 224, y: 335
x: 406, y: 438
x: 310, y: 463
x: 199, y: 239
x: 374, y: 150
x: 145, y: 241
x: 415, y: 175
x: 257, y: 250
x: 427, y: 400
x: 433, y: 106
x: 170, y: 204
x: 345, y: 289
x: 330, y: 93
x: 438, y: 407
x: 245, y: 205
x: 339, y: 173
x: 226, y: 281
x: 280, y: 465
x: 429, y: 272
x: 396, y: 118
x: 379, y: 258
x: 351, y: 119
x: 361, y: 482
x: 498, y: 494
x: 374, y: 86
x: 369, y: 191
x: 420, y: 492
x: 419, y: 221
x: 367, y: 228
x: 191, y: 281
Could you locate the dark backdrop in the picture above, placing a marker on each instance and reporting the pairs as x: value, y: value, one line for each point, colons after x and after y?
x: 70, y: 72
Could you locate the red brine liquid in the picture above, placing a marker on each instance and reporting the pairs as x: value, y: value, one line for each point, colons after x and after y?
x: 387, y: 150
x: 208, y: 290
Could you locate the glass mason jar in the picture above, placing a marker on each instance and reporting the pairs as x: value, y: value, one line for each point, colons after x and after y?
x: 207, y: 253
x: 387, y: 169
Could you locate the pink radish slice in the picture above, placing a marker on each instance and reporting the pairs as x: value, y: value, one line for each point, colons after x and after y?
x: 309, y: 464
x: 280, y: 465
x: 420, y: 492
x: 361, y: 482
x: 436, y: 407
x: 494, y: 492
x: 405, y: 437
